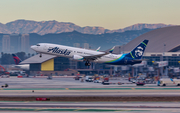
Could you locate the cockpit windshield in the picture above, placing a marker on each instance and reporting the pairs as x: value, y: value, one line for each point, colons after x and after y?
x: 37, y: 45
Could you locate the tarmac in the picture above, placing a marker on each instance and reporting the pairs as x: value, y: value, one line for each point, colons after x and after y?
x: 25, y: 87
x: 107, y: 107
x: 67, y: 94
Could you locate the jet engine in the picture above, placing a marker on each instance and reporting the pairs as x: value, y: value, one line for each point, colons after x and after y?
x: 77, y: 57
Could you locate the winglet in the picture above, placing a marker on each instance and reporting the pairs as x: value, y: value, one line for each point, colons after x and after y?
x: 112, y: 49
x: 98, y: 49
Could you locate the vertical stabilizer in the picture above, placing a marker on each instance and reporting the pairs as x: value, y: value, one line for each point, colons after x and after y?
x: 138, y: 52
x: 17, y: 60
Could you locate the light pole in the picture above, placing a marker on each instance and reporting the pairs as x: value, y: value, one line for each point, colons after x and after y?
x: 164, y: 50
x: 122, y: 49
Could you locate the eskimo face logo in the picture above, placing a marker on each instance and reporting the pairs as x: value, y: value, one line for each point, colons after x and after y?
x: 139, y: 51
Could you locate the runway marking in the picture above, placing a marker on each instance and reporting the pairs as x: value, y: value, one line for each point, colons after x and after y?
x: 26, y: 102
x: 31, y: 109
x: 77, y: 109
x: 42, y: 89
x: 38, y: 109
x: 65, y: 109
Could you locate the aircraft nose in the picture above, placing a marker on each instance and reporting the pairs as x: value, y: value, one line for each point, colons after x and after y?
x: 33, y: 47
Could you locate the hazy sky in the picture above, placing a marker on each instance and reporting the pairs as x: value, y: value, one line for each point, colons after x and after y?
x: 110, y: 14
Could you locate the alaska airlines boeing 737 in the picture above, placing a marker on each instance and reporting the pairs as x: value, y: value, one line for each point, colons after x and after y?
x: 80, y: 54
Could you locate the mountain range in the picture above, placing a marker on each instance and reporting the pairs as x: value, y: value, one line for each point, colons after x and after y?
x: 46, y: 27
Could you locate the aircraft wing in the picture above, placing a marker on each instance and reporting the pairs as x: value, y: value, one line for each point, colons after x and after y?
x: 94, y: 57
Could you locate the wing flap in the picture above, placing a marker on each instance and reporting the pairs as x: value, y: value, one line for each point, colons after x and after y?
x: 94, y: 57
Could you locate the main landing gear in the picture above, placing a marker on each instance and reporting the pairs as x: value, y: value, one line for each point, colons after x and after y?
x: 40, y: 55
x: 87, y: 63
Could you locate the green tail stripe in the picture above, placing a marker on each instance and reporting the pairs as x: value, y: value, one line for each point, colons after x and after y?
x: 144, y: 43
x: 131, y: 55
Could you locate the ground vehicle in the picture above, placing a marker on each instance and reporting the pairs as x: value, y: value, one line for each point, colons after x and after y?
x: 168, y: 81
x: 89, y: 79
x: 140, y: 82
x: 76, y: 78
x: 4, y: 76
x: 97, y: 81
x: 106, y: 79
x: 149, y: 81
x: 49, y: 77
x: 132, y: 79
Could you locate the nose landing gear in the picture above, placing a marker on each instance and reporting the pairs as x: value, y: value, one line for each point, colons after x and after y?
x: 40, y: 55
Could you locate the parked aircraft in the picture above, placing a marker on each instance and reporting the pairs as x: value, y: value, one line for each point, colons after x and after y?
x: 80, y: 54
x: 17, y: 60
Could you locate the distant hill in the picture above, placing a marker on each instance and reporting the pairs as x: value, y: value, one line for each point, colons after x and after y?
x: 46, y: 27
x: 140, y: 27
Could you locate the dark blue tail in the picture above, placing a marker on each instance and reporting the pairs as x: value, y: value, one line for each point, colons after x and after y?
x: 17, y: 60
x: 138, y: 52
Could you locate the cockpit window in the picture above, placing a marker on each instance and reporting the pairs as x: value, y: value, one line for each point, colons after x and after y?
x: 37, y: 45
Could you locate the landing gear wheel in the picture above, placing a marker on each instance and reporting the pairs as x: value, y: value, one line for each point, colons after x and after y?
x: 87, y: 63
x: 40, y: 55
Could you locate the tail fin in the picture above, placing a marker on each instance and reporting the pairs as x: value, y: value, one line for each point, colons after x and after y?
x: 138, y: 52
x: 17, y: 60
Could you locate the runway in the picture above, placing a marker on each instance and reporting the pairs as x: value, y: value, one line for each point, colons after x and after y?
x: 61, y: 87
x: 134, y: 107
x: 67, y: 94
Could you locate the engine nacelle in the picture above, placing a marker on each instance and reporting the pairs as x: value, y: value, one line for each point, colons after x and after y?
x: 77, y: 57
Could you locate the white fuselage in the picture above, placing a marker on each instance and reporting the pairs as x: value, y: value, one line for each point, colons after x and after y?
x: 23, y: 66
x: 66, y: 51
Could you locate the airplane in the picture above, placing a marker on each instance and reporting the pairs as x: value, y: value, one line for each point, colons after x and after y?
x: 80, y: 54
x: 17, y: 60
